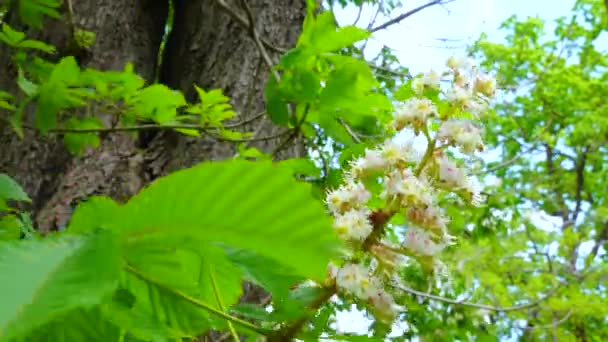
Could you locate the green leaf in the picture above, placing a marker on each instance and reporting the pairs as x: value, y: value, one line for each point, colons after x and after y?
x: 6, y: 105
x: 158, y: 103
x: 17, y: 39
x: 85, y: 217
x: 56, y: 94
x: 262, y: 221
x: 11, y: 37
x: 268, y: 273
x: 301, y: 166
x: 28, y: 87
x: 77, y: 325
x: 33, y: 11
x: 78, y: 142
x: 37, y: 45
x: 10, y: 228
x: 11, y: 190
x: 320, y: 34
x: 213, y: 108
x: 404, y: 92
x: 251, y: 153
x: 43, y: 279
x: 276, y: 106
x: 133, y: 317
x: 161, y: 267
x: 247, y: 205
x: 161, y: 275
x: 251, y: 311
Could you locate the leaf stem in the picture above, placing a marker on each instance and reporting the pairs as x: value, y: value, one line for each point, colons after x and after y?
x: 220, y: 303
x: 197, y: 302
x: 430, y: 148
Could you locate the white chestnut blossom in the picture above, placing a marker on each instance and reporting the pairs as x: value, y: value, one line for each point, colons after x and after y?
x: 383, y: 306
x: 455, y: 63
x: 460, y: 97
x: 351, y: 195
x: 485, y: 85
x: 421, y: 242
x: 409, y: 189
x: 455, y: 178
x: 430, y: 80
x: 462, y: 134
x: 373, y: 160
x: 431, y: 218
x: 407, y: 182
x: 396, y: 154
x: 414, y: 112
x: 353, y: 225
x: 451, y: 175
x: 356, y: 279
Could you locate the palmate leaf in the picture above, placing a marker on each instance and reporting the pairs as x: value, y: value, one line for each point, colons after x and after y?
x: 33, y: 11
x: 247, y: 205
x: 11, y: 190
x: 176, y: 271
x: 162, y: 272
x: 263, y: 271
x: 77, y: 325
x: 41, y: 280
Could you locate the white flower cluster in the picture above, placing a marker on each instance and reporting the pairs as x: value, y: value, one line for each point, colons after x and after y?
x: 463, y: 134
x: 414, y: 112
x: 470, y: 90
x: 410, y: 185
x: 357, y: 280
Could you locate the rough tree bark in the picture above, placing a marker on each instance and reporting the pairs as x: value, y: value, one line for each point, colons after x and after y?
x: 208, y: 47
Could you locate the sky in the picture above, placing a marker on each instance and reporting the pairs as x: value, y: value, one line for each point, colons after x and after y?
x: 416, y: 40
x: 425, y: 40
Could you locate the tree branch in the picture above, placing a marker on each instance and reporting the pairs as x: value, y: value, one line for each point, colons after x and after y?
x: 246, y: 24
x: 135, y: 128
x: 552, y: 325
x: 405, y: 15
x: 256, y: 38
x: 475, y: 305
x: 293, y: 134
x: 580, y: 183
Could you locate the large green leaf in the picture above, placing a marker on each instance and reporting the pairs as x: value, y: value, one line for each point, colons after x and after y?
x: 77, y: 325
x: 10, y: 228
x: 40, y: 280
x: 10, y: 190
x: 263, y: 271
x: 165, y: 295
x: 162, y: 270
x: 175, y: 270
x: 248, y: 205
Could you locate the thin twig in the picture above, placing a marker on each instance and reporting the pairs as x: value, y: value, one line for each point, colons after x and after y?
x: 293, y: 134
x: 246, y: 24
x: 204, y: 130
x: 405, y: 75
x: 358, y: 14
x: 552, y: 325
x: 258, y: 42
x: 246, y: 121
x: 405, y: 15
x: 350, y: 131
x: 475, y: 305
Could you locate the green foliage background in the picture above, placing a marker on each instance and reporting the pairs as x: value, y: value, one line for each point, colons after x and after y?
x: 169, y: 263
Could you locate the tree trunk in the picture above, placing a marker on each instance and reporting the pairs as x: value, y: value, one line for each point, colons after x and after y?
x: 207, y: 47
